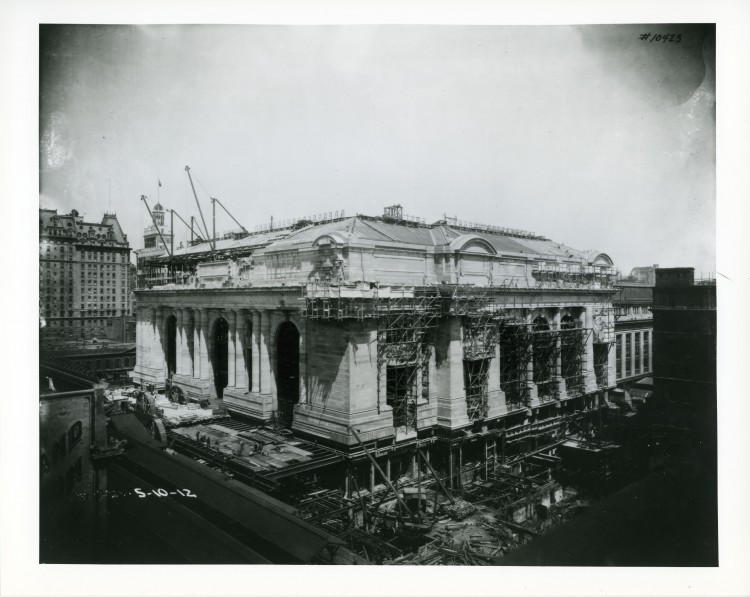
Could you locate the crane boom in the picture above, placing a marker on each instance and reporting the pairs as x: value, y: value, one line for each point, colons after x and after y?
x: 184, y: 222
x: 230, y: 215
x: 211, y: 242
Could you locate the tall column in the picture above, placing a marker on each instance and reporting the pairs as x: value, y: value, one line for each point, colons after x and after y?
x: 611, y: 367
x: 139, y: 337
x: 179, y: 341
x: 240, y: 366
x: 231, y: 318
x: 632, y: 353
x: 158, y: 347
x: 303, y: 362
x: 148, y: 337
x: 640, y: 340
x: 255, y: 346
x: 621, y: 339
x: 197, y: 344
x: 530, y: 363
x: 187, y: 365
x: 589, y: 373
x: 265, y: 361
x: 556, y: 325
x: 205, y: 370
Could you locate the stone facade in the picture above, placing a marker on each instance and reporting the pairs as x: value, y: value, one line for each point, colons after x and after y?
x: 634, y: 331
x: 223, y: 333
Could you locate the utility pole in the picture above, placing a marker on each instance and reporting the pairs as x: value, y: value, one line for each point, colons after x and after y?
x: 171, y: 228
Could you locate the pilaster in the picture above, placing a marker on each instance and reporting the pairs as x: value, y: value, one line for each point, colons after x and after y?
x: 589, y: 374
x: 452, y: 407
x: 231, y: 318
x: 255, y: 353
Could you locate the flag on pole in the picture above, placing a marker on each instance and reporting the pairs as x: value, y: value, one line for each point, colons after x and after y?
x: 159, y: 181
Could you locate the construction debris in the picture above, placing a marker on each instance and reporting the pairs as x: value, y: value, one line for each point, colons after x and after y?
x: 460, y: 510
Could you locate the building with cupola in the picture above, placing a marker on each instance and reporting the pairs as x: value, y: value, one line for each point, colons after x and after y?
x: 157, y: 240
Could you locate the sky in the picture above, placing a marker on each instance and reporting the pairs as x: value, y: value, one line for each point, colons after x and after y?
x: 588, y: 135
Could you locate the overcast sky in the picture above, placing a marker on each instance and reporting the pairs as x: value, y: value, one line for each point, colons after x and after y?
x: 587, y: 135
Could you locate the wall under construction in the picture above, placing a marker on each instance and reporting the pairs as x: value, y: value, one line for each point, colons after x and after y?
x: 434, y: 356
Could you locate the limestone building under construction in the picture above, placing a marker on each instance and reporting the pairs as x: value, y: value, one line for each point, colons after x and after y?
x: 469, y: 341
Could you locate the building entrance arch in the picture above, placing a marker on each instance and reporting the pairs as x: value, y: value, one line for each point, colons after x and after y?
x: 545, y: 347
x: 572, y: 349
x: 220, y: 355
x: 287, y: 371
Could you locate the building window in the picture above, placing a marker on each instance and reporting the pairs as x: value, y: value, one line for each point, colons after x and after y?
x: 618, y: 349
x: 628, y: 367
x: 646, y: 351
x: 476, y: 375
x: 637, y: 353
x: 401, y: 386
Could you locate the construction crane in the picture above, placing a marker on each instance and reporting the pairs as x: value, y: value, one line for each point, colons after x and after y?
x: 212, y: 241
x: 192, y: 231
x: 215, y: 201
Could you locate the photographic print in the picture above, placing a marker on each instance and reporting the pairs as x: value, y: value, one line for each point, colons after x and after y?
x: 399, y: 295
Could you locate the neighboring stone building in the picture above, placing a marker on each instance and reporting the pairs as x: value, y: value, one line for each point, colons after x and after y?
x: 398, y: 330
x: 94, y: 361
x: 634, y: 340
x: 74, y: 450
x: 634, y: 331
x: 645, y: 275
x: 685, y: 349
x: 84, y: 289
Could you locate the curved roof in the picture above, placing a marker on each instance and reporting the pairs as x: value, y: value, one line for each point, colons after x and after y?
x: 598, y: 257
x: 460, y: 243
x: 441, y: 237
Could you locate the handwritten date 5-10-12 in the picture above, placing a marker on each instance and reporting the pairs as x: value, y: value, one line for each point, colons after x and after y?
x: 164, y: 493
x: 662, y: 37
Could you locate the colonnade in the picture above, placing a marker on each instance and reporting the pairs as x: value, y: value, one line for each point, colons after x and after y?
x: 584, y: 320
x: 249, y: 366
